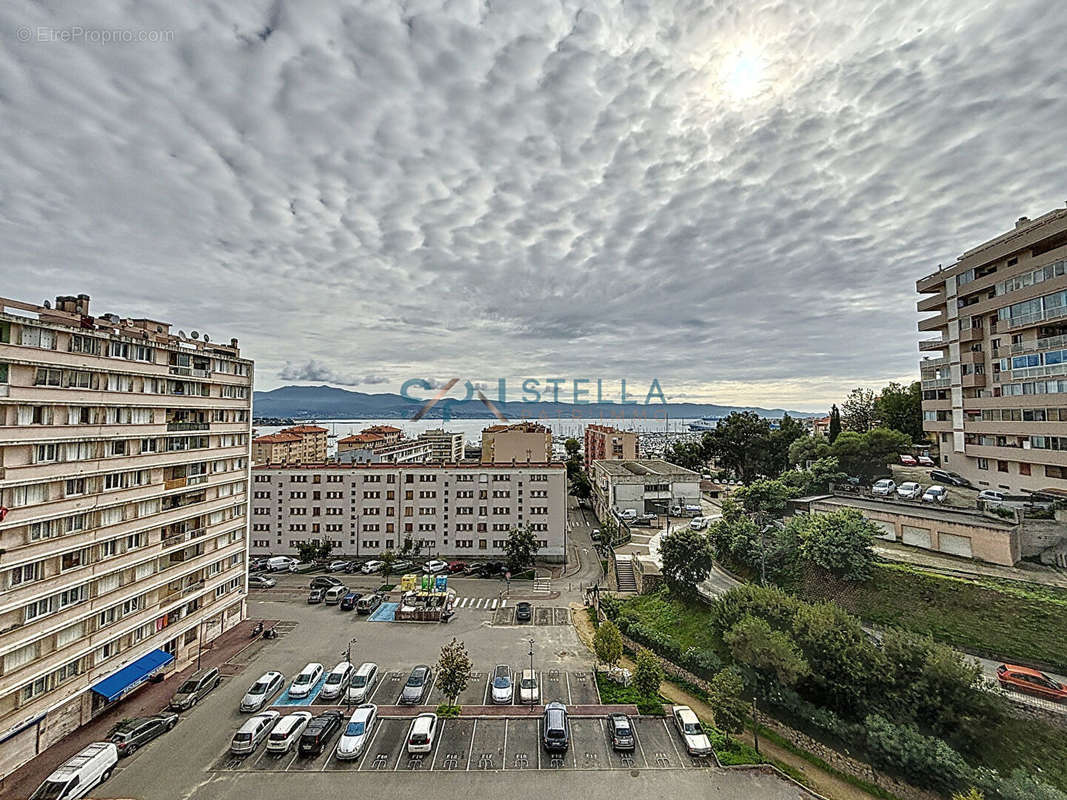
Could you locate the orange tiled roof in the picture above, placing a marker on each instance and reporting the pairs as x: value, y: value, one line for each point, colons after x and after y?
x: 382, y: 429
x: 277, y: 438
x: 305, y: 429
x: 361, y: 438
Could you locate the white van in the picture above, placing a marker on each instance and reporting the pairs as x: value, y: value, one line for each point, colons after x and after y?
x: 337, y: 681
x: 80, y: 774
x: 280, y: 563
x: 334, y: 594
x: 361, y: 687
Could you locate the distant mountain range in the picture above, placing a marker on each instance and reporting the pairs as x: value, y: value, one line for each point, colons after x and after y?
x: 328, y: 402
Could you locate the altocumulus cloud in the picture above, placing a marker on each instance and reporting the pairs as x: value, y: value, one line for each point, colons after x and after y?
x: 734, y: 198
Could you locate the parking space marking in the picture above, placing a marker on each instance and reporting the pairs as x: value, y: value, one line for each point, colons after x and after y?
x: 437, y: 743
x: 674, y: 744
x: 504, y: 757
x: 568, y: 680
x: 640, y: 747
x: 470, y: 748
x: 493, y: 606
x: 503, y: 603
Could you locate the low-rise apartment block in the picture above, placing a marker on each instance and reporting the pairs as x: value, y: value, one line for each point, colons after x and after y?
x: 524, y: 442
x: 124, y: 469
x: 445, y: 445
x: 603, y: 442
x: 405, y: 451
x: 995, y: 383
x: 460, y: 511
x: 647, y: 486
x: 299, y: 444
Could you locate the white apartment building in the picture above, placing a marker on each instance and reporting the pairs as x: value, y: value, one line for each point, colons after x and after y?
x: 460, y: 511
x: 124, y: 469
x: 447, y: 445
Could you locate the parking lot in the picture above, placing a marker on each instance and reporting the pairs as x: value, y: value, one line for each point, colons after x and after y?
x: 485, y: 743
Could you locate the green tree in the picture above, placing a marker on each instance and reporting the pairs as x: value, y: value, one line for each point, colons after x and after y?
x: 725, y: 691
x: 839, y: 541
x: 899, y: 408
x: 753, y: 643
x: 607, y: 643
x: 581, y: 487
x: 687, y: 454
x: 388, y: 558
x: 835, y: 424
x: 325, y: 548
x: 687, y: 559
x: 970, y: 794
x: 740, y: 443
x: 816, y: 479
x: 774, y: 458
x: 866, y: 454
x: 648, y: 674
x: 858, y: 410
x: 307, y: 551
x: 520, y: 548
x: 572, y: 446
x: 454, y: 670
x: 765, y: 496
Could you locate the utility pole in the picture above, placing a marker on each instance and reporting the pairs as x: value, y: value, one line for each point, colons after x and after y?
x: 348, y: 658
x: 531, y: 655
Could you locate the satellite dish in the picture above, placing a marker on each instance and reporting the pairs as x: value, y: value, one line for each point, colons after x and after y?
x: 47, y: 304
x: 159, y: 329
x: 206, y: 339
x: 195, y: 334
x: 181, y: 334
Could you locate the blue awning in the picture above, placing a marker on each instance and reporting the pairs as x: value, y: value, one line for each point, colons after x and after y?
x: 132, y: 675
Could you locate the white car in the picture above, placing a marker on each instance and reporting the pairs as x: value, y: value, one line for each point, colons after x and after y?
x: 503, y: 688
x: 698, y: 523
x: 435, y: 566
x: 268, y: 684
x: 253, y: 732
x: 935, y: 494
x: 358, y: 732
x: 337, y: 681
x: 422, y: 733
x: 296, y: 566
x: 80, y: 774
x: 372, y: 566
x: 363, y: 681
x: 286, y: 731
x: 884, y: 488
x: 529, y: 692
x: 336, y: 566
x: 696, y: 741
x: 304, y: 682
x: 909, y: 490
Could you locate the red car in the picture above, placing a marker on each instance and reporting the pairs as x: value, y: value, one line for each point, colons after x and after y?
x: 908, y: 461
x: 1030, y: 681
x: 457, y: 566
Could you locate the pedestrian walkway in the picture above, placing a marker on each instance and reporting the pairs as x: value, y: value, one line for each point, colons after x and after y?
x: 487, y: 603
x: 624, y: 574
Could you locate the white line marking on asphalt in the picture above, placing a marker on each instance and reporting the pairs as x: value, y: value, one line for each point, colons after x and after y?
x: 437, y: 743
x: 640, y: 746
x: 505, y: 756
x: 566, y: 677
x: 597, y: 687
x: 673, y: 744
x: 493, y: 607
x: 470, y: 749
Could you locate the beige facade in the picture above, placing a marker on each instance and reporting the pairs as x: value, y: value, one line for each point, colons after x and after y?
x: 455, y: 510
x: 300, y: 444
x: 602, y: 442
x: 995, y: 380
x: 124, y: 468
x: 960, y: 532
x: 525, y: 442
x: 446, y: 446
x: 645, y: 486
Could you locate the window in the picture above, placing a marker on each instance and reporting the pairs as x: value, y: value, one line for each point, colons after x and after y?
x: 1024, y: 468
x: 48, y: 377
x: 37, y: 337
x: 1055, y: 472
x: 1002, y: 466
x: 983, y: 463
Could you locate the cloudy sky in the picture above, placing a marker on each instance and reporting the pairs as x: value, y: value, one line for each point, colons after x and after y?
x: 733, y: 197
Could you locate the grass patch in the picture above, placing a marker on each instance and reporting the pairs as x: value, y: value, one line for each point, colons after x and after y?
x: 591, y: 612
x: 445, y: 710
x: 603, y: 566
x: 998, y: 619
x: 685, y: 623
x: 612, y: 693
x: 732, y: 752
x: 387, y: 587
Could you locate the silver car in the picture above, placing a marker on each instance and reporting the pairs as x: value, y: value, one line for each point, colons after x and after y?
x: 358, y: 732
x: 418, y: 682
x: 268, y: 685
x: 503, y: 688
x: 253, y: 732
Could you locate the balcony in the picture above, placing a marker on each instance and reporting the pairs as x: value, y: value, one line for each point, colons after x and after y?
x: 973, y: 380
x: 1048, y: 343
x: 1029, y: 320
x: 188, y: 426
x: 972, y: 357
x: 932, y: 303
x: 190, y: 372
x: 931, y: 283
x: 937, y: 383
x: 934, y: 323
x: 933, y: 363
x: 932, y: 344
x: 972, y: 335
x: 1039, y: 372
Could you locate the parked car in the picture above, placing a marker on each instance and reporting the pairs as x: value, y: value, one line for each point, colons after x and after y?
x: 261, y: 582
x: 287, y: 731
x: 647, y: 519
x: 336, y: 566
x: 908, y: 460
x: 494, y: 568
x: 336, y: 683
x: 402, y: 565
x: 305, y: 681
x: 696, y: 741
x: 884, y: 488
x: 457, y: 566
x: 926, y: 461
x: 358, y: 732
x: 352, y: 566
x: 280, y: 563
x: 951, y: 478
x: 324, y: 582
x: 555, y: 728
x: 318, y: 733
x: 622, y: 732
x: 79, y: 774
x: 523, y: 612
x: 935, y: 494
x: 989, y: 496
x: 348, y: 602
x: 502, y: 688
x: 627, y: 514
x: 909, y: 490
x: 422, y: 733
x: 315, y: 596
x: 368, y: 602
x: 334, y: 595
x: 130, y: 734
x: 596, y: 534
x: 195, y: 688
x: 1030, y: 681
x: 435, y: 566
x: 372, y: 566
x: 698, y: 523
x: 266, y: 686
x: 529, y: 690
x: 417, y: 684
x: 257, y: 564
x: 475, y: 568
x: 300, y: 566
x: 254, y: 731
x: 363, y: 681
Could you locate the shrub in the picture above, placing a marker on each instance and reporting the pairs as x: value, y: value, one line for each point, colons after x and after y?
x: 922, y: 760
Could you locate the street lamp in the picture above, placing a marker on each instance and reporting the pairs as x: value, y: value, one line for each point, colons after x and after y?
x: 348, y: 658
x: 531, y: 655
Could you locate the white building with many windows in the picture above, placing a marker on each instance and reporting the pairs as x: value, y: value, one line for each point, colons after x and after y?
x: 124, y: 468
x: 462, y: 511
